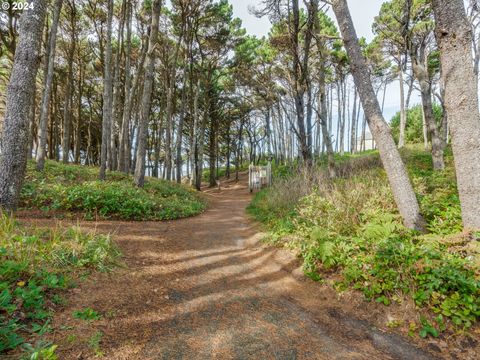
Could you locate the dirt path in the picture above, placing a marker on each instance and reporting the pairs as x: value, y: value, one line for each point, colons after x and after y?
x: 204, y: 288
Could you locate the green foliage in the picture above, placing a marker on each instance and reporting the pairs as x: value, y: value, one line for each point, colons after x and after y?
x: 41, y: 351
x: 222, y: 171
x: 414, y: 126
x: 94, y: 342
x: 351, y: 226
x: 87, y: 314
x: 35, y: 265
x: 74, y: 189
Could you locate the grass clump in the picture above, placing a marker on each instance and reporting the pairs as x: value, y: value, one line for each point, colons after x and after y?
x: 350, y: 228
x: 75, y: 189
x: 87, y: 314
x: 35, y: 266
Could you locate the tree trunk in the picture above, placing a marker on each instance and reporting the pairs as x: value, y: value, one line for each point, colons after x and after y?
x: 117, y: 93
x: 33, y: 109
x: 403, y: 112
x: 212, y: 147
x: 353, y: 131
x: 341, y: 112
x: 130, y: 95
x: 170, y: 108
x: 14, y: 139
x: 124, y: 129
x: 461, y: 101
x: 424, y: 130
x: 168, y: 131
x: 47, y: 89
x: 67, y: 110
x: 78, y: 128
x: 181, y: 121
x: 194, y: 141
x: 397, y: 175
x: 327, y: 139
x: 421, y: 74
x: 147, y: 96
x: 107, y: 95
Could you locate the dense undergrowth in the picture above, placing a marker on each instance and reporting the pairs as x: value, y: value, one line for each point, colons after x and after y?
x: 75, y: 189
x: 36, y: 265
x: 349, y: 230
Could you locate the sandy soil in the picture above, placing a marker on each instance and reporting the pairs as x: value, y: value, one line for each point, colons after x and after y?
x: 206, y: 288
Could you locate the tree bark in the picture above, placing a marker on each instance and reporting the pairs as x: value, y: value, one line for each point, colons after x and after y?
x: 171, y: 91
x: 353, y: 129
x: 461, y: 102
x: 194, y: 147
x: 31, y: 130
x: 67, y: 110
x: 14, y: 139
x: 130, y: 94
x: 117, y: 93
x: 181, y: 121
x: 124, y: 128
x: 327, y: 139
x: 107, y: 95
x: 403, y: 112
x: 396, y: 172
x: 139, y: 178
x: 420, y: 72
x: 78, y: 128
x: 47, y: 89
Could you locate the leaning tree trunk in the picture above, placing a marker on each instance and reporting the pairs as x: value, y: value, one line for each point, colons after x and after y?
x: 147, y: 97
x: 461, y: 102
x: 14, y: 139
x: 47, y: 90
x: 107, y: 95
x: 397, y: 175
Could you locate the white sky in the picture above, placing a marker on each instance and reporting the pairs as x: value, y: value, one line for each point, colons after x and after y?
x: 363, y: 13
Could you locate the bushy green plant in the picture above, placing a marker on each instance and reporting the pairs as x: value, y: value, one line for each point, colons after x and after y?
x: 414, y: 126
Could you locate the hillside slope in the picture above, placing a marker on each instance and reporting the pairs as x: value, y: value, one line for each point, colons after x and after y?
x: 71, y: 190
x: 350, y: 235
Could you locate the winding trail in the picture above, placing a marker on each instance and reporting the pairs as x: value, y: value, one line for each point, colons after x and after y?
x: 205, y: 288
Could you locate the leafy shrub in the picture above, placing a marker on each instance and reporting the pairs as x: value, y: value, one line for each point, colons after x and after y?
x: 414, y: 126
